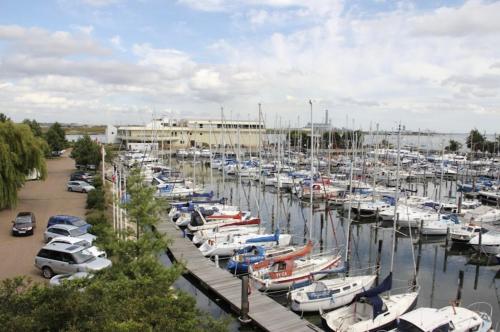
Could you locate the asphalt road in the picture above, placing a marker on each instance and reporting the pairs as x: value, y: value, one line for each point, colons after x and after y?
x: 44, y: 199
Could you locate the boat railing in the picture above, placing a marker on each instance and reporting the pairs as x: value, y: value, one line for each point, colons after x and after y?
x: 480, y: 307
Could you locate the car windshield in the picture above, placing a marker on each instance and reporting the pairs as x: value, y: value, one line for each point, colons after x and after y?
x: 23, y: 223
x: 83, y: 243
x: 82, y: 256
x: 77, y: 232
x: 79, y: 222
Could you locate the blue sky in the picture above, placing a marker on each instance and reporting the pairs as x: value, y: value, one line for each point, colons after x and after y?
x: 431, y: 64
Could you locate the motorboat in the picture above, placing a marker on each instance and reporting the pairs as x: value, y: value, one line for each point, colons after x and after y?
x: 490, y: 242
x: 465, y: 232
x: 449, y: 318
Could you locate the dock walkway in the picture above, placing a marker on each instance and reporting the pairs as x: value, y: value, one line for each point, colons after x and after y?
x: 266, y: 313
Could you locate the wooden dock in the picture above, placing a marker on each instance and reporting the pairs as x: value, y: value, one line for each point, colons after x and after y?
x: 265, y: 313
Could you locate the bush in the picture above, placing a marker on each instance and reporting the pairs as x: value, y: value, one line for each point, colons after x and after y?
x: 96, y: 200
x: 97, y: 183
x: 101, y: 228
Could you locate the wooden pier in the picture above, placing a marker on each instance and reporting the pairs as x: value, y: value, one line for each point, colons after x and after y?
x: 265, y: 313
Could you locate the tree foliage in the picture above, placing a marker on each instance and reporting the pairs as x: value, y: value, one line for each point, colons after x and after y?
x: 4, y: 118
x: 131, y: 296
x: 86, y: 151
x: 34, y: 126
x: 21, y: 153
x: 135, y: 294
x: 478, y: 142
x: 142, y: 207
x: 56, y: 137
x: 453, y: 146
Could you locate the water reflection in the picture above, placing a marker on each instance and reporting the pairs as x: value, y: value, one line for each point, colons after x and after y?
x: 438, y: 263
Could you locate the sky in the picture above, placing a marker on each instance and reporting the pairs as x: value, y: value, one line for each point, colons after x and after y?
x: 427, y: 64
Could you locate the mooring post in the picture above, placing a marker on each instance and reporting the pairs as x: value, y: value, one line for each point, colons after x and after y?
x: 216, y: 260
x: 460, y: 204
x: 446, y: 241
x: 460, y: 285
x: 245, y: 305
x: 379, y: 256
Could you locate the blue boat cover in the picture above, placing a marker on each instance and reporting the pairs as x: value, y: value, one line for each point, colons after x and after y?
x: 373, y: 295
x: 269, y: 238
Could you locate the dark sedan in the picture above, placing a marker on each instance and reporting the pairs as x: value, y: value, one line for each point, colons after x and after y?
x: 24, y: 224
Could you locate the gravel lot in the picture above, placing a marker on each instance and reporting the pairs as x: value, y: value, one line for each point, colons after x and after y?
x: 45, y: 199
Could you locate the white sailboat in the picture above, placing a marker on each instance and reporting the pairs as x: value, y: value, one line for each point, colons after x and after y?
x: 370, y: 311
x: 331, y: 293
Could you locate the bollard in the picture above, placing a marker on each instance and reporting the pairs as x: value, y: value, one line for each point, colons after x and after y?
x: 460, y: 204
x: 245, y: 305
x: 447, y: 238
x: 216, y: 260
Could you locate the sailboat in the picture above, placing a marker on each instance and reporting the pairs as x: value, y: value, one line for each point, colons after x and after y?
x: 370, y: 311
x: 332, y: 293
x: 281, y: 275
x: 258, y: 257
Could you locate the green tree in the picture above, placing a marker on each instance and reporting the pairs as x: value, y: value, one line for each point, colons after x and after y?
x: 4, y: 118
x: 86, y: 151
x: 132, y: 296
x: 453, y: 146
x: 21, y: 153
x: 56, y: 137
x: 142, y: 207
x: 475, y: 140
x: 35, y: 127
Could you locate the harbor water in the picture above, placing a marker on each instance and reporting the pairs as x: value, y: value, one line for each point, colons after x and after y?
x: 438, y: 265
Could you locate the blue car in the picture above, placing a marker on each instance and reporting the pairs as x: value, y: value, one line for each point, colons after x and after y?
x: 68, y: 220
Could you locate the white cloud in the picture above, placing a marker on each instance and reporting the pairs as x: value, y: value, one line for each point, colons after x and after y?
x: 37, y: 41
x: 116, y: 41
x: 473, y: 17
x: 99, y: 3
x: 417, y: 66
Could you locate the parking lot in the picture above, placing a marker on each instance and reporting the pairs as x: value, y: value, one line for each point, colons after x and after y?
x: 44, y: 199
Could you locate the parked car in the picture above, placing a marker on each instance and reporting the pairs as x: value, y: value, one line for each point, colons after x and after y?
x: 68, y: 230
x: 93, y: 250
x: 81, y: 177
x: 57, y: 258
x: 80, y: 186
x: 62, y: 219
x: 24, y: 224
x: 60, y: 278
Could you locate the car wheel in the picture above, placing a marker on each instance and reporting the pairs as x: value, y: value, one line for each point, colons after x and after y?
x: 47, y: 272
x: 84, y: 191
x: 70, y: 189
x: 49, y: 239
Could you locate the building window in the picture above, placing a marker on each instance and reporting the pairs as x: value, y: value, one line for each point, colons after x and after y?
x: 201, y: 134
x: 201, y: 125
x: 219, y: 125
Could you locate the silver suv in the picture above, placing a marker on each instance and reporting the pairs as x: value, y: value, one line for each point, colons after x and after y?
x: 57, y: 258
x: 80, y: 186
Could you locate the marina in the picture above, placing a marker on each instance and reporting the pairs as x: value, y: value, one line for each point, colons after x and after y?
x: 423, y: 254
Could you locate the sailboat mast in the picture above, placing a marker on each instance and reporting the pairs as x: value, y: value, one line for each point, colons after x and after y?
x: 223, y: 150
x: 312, y: 173
x: 396, y: 200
